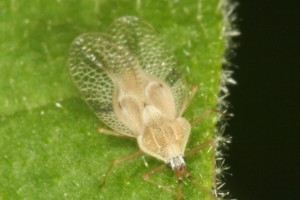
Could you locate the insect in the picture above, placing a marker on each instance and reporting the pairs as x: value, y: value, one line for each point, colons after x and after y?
x: 131, y: 81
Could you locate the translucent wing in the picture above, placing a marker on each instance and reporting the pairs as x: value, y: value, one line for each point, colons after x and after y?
x: 96, y: 57
x: 92, y: 58
x: 154, y: 57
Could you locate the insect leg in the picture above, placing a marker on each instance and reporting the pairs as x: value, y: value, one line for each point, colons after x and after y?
x: 194, y: 122
x: 193, y: 151
x: 117, y: 162
x: 188, y: 100
x: 146, y: 177
x: 199, y: 147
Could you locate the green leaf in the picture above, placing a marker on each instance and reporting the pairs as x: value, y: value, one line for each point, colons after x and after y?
x: 50, y: 147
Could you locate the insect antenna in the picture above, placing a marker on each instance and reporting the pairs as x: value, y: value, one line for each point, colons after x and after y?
x: 184, y: 172
x: 202, y: 188
x: 147, y: 178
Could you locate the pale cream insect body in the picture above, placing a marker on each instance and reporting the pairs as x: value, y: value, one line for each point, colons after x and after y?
x: 131, y: 81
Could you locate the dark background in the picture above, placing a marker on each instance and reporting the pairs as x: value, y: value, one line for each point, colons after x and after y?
x: 265, y: 151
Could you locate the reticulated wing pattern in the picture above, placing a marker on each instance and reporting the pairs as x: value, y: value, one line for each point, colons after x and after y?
x: 95, y: 58
x: 153, y: 56
x: 92, y: 59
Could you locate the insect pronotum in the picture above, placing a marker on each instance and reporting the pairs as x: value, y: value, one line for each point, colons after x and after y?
x: 131, y: 81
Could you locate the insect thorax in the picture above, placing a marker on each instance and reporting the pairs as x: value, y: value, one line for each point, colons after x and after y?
x: 165, y: 140
x: 145, y: 104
